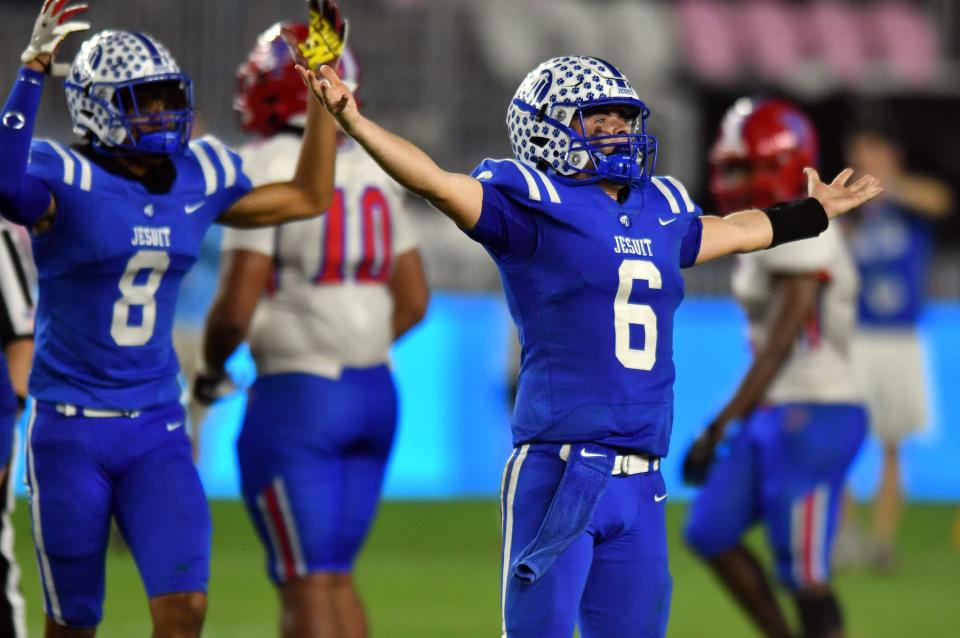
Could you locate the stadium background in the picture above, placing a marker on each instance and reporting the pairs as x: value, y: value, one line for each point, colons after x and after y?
x: 441, y: 72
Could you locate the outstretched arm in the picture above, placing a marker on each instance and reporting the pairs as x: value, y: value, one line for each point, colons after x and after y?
x: 457, y: 196
x: 752, y: 230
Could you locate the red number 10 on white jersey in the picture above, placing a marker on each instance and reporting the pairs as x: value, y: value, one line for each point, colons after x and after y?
x: 375, y: 227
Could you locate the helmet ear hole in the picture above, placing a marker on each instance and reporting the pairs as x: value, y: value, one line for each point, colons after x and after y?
x: 539, y: 141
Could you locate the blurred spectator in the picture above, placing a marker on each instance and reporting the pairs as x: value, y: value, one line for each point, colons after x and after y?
x: 892, y: 244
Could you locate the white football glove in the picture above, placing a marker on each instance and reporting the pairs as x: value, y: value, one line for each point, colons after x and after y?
x: 52, y: 26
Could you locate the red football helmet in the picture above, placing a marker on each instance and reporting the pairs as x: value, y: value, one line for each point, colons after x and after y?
x: 269, y: 94
x: 760, y: 153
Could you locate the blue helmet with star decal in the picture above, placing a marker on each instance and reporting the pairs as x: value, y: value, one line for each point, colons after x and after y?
x: 127, y: 92
x: 542, y: 112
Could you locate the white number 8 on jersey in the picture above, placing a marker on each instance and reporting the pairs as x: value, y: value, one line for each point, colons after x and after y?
x: 626, y: 314
x: 134, y: 294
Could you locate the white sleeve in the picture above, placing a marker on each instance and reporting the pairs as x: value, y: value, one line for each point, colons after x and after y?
x: 17, y: 280
x: 258, y: 240
x: 404, y: 237
x: 272, y: 161
x: 805, y: 256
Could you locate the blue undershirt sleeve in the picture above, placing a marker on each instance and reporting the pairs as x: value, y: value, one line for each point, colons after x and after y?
x: 23, y: 198
x: 690, y: 247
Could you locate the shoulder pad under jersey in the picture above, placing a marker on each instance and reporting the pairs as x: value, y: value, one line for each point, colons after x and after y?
x: 518, y: 181
x: 53, y: 163
x: 221, y: 168
x: 675, y: 195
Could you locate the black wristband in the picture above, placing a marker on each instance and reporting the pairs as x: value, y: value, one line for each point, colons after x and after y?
x: 801, y: 219
x: 21, y: 402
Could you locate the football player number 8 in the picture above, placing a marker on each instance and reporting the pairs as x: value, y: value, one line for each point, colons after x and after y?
x: 626, y: 314
x: 138, y: 294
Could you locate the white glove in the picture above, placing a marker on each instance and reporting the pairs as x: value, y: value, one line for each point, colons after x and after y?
x: 49, y: 31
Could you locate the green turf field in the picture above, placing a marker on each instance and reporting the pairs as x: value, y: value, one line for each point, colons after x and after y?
x: 430, y: 570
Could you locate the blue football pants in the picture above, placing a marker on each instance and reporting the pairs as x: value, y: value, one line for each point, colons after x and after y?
x: 82, y: 471
x: 786, y: 468
x: 614, y: 580
x: 312, y: 457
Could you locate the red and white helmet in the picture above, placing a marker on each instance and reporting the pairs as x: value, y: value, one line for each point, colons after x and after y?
x: 760, y: 153
x: 269, y: 94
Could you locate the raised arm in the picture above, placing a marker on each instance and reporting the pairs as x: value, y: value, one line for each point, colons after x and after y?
x: 752, y: 230
x: 310, y: 191
x: 457, y: 196
x: 24, y: 199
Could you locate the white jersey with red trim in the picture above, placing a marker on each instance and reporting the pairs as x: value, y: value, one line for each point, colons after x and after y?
x: 819, y: 367
x: 328, y: 305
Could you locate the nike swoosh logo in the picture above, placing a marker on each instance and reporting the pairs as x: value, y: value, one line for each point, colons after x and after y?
x: 659, y: 498
x: 192, y: 208
x: 173, y: 426
x: 667, y: 222
x: 588, y: 455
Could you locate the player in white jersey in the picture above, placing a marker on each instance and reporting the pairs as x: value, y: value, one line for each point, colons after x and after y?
x: 321, y: 416
x: 801, y: 416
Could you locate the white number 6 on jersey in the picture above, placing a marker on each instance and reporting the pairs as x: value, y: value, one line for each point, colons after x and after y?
x: 626, y: 314
x: 134, y: 294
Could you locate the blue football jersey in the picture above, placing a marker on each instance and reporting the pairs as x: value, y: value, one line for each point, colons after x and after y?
x: 109, y: 270
x: 592, y: 285
x: 892, y: 248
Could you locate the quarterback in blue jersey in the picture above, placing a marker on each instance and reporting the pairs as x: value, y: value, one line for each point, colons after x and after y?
x: 117, y: 221
x: 589, y: 244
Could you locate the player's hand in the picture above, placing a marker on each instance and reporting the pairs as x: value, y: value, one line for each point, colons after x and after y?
x: 699, y: 458
x: 327, y: 36
x: 333, y: 94
x: 210, y: 387
x: 53, y: 25
x: 836, y: 197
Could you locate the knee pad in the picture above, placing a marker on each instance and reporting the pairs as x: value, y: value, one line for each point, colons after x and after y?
x: 820, y: 614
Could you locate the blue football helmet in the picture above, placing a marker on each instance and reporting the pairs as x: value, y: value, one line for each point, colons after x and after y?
x: 127, y: 92
x: 543, y: 109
